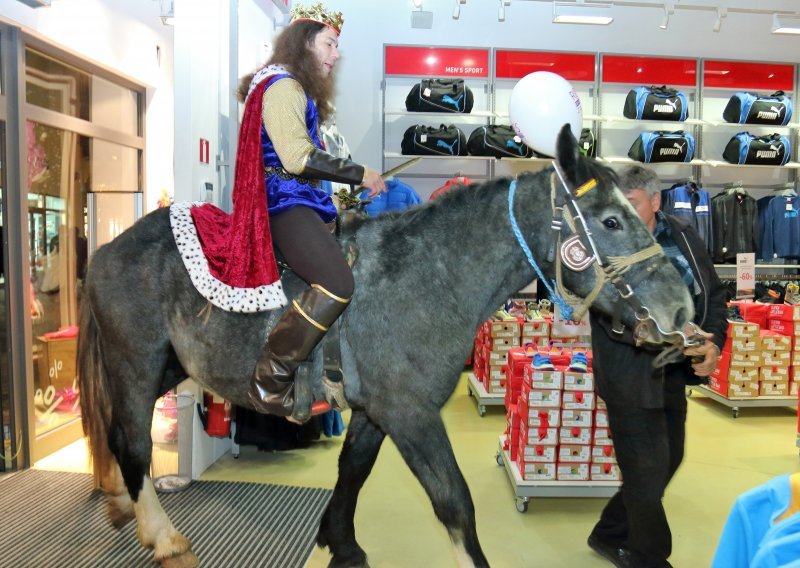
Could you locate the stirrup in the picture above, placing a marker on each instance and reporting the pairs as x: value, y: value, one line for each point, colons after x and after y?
x: 317, y: 408
x: 334, y: 393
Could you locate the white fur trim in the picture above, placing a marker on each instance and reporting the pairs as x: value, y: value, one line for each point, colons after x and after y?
x: 224, y: 296
x: 263, y: 73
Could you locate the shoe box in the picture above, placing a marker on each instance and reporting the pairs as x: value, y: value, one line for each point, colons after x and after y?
x: 605, y: 472
x: 578, y: 381
x: 544, y: 380
x: 784, y: 312
x: 572, y: 471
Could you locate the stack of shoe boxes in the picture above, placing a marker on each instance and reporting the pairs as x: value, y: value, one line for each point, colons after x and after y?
x: 501, y: 337
x: 776, y: 358
x: 536, y: 333
x: 785, y: 319
x: 737, y: 372
x: 558, y: 430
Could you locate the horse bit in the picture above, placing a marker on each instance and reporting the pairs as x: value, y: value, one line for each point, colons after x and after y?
x: 577, y: 257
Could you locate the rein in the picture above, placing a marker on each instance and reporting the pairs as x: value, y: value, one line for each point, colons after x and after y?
x: 575, y: 254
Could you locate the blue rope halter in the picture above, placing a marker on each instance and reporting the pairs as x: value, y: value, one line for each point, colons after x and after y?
x: 566, y: 309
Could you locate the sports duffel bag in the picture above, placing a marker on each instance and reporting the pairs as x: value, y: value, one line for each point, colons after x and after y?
x: 769, y: 150
x: 660, y: 146
x: 750, y: 108
x: 497, y: 140
x: 440, y: 95
x: 655, y: 103
x: 431, y: 140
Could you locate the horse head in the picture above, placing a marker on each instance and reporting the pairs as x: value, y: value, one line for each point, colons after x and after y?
x: 600, y: 251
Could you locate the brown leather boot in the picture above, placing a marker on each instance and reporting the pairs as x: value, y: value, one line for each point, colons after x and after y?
x: 291, y: 341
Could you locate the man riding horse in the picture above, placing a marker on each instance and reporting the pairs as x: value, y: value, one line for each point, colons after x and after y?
x: 280, y: 152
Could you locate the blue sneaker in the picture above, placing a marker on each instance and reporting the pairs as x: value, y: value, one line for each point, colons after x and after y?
x: 579, y: 362
x: 542, y: 363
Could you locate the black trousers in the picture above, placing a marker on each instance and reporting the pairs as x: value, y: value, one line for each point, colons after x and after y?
x: 649, y: 443
x: 310, y: 249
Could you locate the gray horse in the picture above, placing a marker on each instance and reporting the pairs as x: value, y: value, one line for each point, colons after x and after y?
x: 425, y: 279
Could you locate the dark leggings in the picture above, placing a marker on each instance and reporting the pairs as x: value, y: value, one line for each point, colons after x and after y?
x: 308, y: 247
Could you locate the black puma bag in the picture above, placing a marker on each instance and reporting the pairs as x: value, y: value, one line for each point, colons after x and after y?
x: 434, y: 141
x: 750, y: 108
x: 499, y: 141
x: 655, y: 103
x: 660, y: 146
x: 769, y: 150
x: 440, y: 95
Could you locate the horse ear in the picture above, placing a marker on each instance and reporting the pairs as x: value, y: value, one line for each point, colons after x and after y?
x: 568, y: 153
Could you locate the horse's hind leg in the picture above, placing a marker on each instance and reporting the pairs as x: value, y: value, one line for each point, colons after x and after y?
x: 130, y: 443
x: 120, y: 505
x: 419, y: 434
x: 359, y: 453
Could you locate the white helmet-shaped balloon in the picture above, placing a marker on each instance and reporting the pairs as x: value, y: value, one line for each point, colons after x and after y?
x: 540, y: 105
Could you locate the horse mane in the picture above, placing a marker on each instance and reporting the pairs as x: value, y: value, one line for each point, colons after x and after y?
x: 589, y: 168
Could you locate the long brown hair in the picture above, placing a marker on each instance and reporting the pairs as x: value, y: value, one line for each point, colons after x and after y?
x: 293, y: 50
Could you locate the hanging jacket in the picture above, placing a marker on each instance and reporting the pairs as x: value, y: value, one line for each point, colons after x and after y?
x: 398, y: 196
x: 687, y: 200
x: 733, y: 221
x: 780, y: 228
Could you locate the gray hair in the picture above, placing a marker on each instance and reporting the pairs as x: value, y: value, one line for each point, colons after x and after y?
x: 637, y: 177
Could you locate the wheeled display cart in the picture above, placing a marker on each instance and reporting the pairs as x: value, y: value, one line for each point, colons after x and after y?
x: 736, y: 403
x: 476, y: 389
x: 524, y: 490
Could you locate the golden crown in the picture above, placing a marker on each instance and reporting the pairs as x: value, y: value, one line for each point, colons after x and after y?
x: 318, y: 13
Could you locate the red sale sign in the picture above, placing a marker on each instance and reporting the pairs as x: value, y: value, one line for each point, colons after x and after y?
x: 437, y: 61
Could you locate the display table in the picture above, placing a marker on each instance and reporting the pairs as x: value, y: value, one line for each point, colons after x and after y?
x: 476, y: 389
x: 524, y: 490
x: 736, y: 403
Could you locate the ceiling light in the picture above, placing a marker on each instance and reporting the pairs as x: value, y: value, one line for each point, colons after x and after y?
x: 501, y: 13
x: 36, y: 3
x: 721, y: 13
x: 580, y: 12
x: 786, y: 24
x: 669, y: 9
x: 417, y: 3
x: 168, y: 12
x: 457, y: 10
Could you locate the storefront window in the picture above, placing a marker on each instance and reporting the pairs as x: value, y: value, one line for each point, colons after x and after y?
x: 59, y: 165
x: 56, y: 86
x: 5, y: 377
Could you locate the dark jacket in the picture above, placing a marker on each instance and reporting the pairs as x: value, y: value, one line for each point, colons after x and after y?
x: 624, y: 373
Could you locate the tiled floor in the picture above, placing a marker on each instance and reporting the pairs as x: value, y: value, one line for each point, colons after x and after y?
x: 396, y: 526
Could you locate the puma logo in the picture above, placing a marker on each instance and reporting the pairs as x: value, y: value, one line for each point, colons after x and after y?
x: 455, y: 102
x: 772, y: 153
x: 446, y: 146
x: 676, y: 150
x: 774, y: 113
x: 514, y: 145
x: 669, y: 106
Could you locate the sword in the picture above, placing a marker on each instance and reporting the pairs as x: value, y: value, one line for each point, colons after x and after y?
x: 388, y: 174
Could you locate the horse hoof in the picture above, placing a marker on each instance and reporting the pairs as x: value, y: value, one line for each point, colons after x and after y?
x: 185, y: 560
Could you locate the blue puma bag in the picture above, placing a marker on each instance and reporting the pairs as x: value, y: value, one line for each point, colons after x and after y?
x: 660, y: 146
x: 421, y: 140
x: 770, y: 150
x: 440, y: 95
x: 655, y: 103
x: 750, y: 108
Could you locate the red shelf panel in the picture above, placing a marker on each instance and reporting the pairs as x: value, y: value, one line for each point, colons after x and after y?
x: 510, y: 64
x: 649, y: 70
x: 438, y: 61
x: 737, y: 75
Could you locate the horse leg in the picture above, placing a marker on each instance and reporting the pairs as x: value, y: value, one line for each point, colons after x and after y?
x: 118, y: 500
x: 359, y: 452
x: 419, y: 434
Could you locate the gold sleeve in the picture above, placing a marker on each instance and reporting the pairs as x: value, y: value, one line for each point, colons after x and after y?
x: 284, y: 116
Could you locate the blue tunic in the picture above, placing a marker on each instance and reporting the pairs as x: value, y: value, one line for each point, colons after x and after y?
x: 285, y: 190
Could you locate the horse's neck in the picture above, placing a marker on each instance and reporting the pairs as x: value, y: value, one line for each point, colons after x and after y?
x: 471, y: 254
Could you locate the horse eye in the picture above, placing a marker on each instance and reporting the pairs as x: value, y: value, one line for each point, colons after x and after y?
x: 612, y: 223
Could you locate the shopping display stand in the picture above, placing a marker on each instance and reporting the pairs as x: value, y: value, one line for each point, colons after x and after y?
x: 524, y: 490
x: 736, y: 403
x: 476, y: 389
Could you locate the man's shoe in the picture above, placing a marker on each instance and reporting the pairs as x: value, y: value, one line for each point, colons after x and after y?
x: 619, y: 556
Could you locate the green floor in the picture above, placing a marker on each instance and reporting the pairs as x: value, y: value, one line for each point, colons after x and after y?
x: 397, y: 528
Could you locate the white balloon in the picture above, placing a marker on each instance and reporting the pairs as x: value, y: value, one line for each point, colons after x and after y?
x: 540, y: 105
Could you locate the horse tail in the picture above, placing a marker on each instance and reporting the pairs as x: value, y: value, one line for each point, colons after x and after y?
x: 94, y: 391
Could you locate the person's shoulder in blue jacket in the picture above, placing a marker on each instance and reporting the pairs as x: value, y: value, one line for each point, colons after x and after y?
x: 398, y: 196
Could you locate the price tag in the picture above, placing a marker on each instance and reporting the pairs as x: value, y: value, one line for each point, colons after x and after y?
x: 745, y: 275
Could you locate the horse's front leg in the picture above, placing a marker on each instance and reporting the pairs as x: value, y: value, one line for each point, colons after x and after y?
x: 359, y: 452
x: 419, y: 434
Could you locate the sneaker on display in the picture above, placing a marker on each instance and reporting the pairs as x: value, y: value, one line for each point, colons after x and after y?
x: 579, y: 362
x: 734, y: 314
x: 544, y: 307
x: 542, y: 363
x: 517, y: 308
x: 792, y: 293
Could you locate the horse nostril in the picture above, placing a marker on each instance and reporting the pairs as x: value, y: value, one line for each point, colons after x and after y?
x: 680, y: 318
